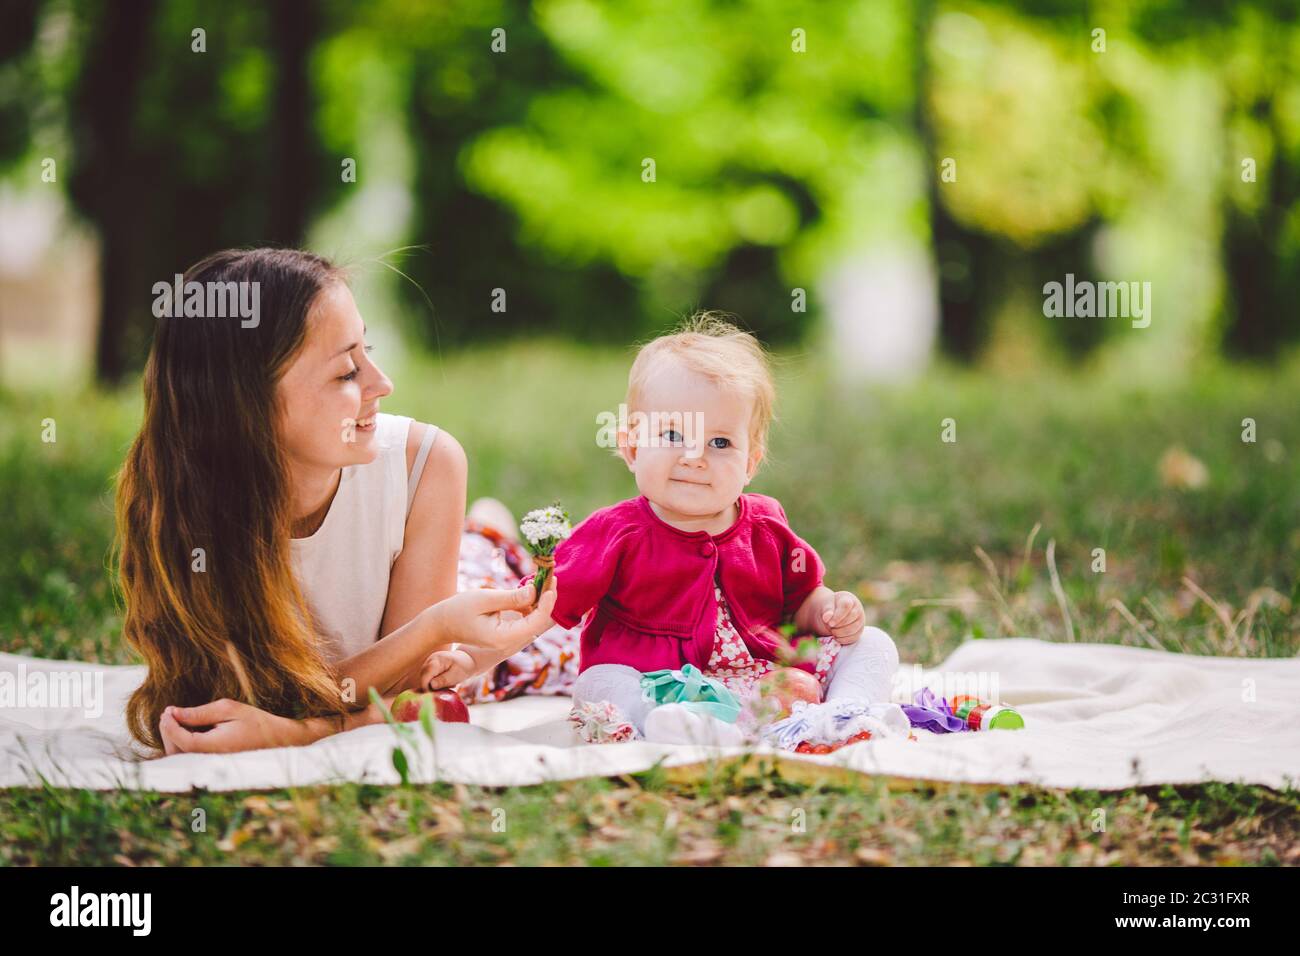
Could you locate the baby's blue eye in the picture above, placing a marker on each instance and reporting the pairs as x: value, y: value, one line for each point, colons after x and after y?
x: 673, y: 436
x: 726, y: 442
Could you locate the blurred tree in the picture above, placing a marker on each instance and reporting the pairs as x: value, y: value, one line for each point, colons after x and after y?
x: 474, y: 244
x: 295, y: 152
x: 610, y: 166
x: 1256, y: 49
x: 106, y: 182
x: 1007, y: 103
x: 179, y: 151
x: 1261, y: 232
x: 17, y: 76
x: 687, y: 154
x: 967, y: 260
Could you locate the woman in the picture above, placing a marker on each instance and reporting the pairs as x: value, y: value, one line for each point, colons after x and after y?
x: 284, y: 547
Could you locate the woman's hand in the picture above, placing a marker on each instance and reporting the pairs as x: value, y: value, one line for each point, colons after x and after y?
x: 482, y: 619
x: 225, y: 726
x: 485, y: 627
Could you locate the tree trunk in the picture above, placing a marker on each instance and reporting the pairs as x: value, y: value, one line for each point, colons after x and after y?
x: 107, y: 178
x: 1262, y: 284
x: 294, y: 26
x: 966, y: 261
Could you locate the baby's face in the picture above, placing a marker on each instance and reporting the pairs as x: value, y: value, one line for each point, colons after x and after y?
x: 692, y: 457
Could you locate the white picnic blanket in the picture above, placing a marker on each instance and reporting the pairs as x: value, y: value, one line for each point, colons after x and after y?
x: 1097, y: 716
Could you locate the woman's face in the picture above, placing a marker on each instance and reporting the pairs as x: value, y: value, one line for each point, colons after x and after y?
x: 331, y: 390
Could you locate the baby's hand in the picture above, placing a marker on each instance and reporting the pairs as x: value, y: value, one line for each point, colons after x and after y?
x: 844, y: 616
x: 447, y: 669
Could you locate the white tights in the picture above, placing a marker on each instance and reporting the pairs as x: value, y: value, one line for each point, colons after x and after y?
x: 862, y: 670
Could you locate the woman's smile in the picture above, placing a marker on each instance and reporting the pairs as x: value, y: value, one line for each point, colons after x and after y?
x: 366, y: 423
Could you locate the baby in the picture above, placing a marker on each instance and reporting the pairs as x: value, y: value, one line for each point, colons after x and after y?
x: 695, y: 570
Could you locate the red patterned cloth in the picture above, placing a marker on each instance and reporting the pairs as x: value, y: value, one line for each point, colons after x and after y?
x: 549, y: 665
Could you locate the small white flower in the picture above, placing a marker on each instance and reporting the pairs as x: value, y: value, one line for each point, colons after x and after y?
x: 545, y: 527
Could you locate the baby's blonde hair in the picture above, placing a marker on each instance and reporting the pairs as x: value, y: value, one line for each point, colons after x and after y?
x: 709, y: 345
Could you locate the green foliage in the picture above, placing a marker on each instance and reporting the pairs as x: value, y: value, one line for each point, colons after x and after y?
x: 755, y: 147
x: 786, y: 140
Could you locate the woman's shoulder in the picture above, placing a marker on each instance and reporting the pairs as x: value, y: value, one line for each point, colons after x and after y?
x: 401, y: 437
x: 437, y: 492
x: 445, y: 455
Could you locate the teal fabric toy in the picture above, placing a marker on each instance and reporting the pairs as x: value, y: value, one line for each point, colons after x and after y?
x: 692, y: 689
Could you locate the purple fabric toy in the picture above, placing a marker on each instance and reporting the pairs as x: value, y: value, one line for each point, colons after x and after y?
x: 931, y: 712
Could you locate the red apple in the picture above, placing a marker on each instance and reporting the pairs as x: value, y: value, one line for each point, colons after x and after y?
x: 788, y: 684
x: 447, y: 706
x: 406, y: 707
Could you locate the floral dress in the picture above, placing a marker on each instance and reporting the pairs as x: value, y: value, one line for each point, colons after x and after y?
x: 547, y: 666
x: 738, y: 669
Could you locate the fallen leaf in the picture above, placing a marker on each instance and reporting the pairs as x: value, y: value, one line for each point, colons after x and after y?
x: 783, y: 858
x: 1180, y: 469
x: 870, y: 856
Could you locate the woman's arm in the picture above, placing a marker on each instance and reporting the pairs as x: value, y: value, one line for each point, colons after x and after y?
x: 233, y: 726
x: 387, y: 662
x: 424, y: 573
x: 470, y: 617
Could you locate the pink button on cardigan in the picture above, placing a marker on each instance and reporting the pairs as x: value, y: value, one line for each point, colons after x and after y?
x: 651, y: 584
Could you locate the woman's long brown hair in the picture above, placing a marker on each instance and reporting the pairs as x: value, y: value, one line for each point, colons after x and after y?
x: 207, y: 472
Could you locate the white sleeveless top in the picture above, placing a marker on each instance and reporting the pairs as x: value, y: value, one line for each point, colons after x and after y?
x: 343, y: 568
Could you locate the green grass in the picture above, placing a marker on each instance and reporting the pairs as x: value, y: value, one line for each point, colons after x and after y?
x: 736, y: 815
x: 944, y: 541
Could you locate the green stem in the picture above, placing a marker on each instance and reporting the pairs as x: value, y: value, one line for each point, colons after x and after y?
x: 539, y: 582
